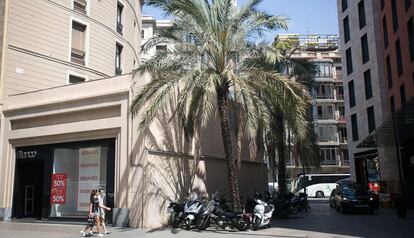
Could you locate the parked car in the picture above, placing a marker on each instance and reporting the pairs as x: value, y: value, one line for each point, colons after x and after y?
x: 353, y: 197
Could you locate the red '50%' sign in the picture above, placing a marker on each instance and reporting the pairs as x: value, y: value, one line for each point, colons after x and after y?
x: 58, y: 191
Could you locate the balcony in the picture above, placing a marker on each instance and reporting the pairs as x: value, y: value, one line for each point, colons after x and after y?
x: 341, y: 119
x: 325, y: 96
x: 343, y: 140
x: 340, y: 97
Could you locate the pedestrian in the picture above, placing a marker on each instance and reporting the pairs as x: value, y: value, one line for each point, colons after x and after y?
x: 93, y: 204
x: 102, y: 211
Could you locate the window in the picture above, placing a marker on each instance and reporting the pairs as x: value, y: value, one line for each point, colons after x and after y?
x: 371, y: 119
x: 399, y: 57
x: 342, y: 135
x: 327, y: 134
x: 347, y: 33
x: 142, y: 34
x: 392, y: 104
x: 364, y: 49
x: 407, y: 4
x: 354, y: 127
x: 368, y: 85
x: 402, y: 95
x: 410, y: 30
x: 80, y: 6
x: 340, y: 93
x: 389, y: 72
x: 341, y: 110
x: 361, y: 14
x: 118, y: 59
x: 351, y: 91
x: 78, y: 43
x: 119, y: 10
x: 324, y: 70
x: 324, y: 91
x: 385, y: 31
x: 75, y: 79
x: 349, y: 67
x: 394, y: 15
x: 328, y: 157
x: 344, y: 5
x: 326, y: 112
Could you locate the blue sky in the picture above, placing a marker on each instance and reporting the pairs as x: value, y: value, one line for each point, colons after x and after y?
x: 306, y: 16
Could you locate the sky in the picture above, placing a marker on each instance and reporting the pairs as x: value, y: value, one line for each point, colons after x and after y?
x: 305, y: 16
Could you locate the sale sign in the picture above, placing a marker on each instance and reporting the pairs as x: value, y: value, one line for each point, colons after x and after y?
x: 89, y: 175
x: 58, y: 191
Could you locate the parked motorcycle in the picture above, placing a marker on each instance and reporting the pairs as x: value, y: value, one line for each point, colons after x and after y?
x: 260, y: 212
x: 176, y: 211
x: 191, y: 210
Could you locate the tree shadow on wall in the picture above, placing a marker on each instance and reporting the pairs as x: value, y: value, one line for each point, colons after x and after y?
x: 162, y: 170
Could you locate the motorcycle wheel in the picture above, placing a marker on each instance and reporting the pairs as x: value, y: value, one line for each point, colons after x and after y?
x: 256, y: 223
x: 203, y: 224
x: 243, y: 223
x: 174, y: 220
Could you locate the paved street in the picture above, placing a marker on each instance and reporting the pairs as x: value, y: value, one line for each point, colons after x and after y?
x: 320, y: 221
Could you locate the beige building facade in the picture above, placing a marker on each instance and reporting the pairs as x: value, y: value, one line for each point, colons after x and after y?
x: 66, y: 86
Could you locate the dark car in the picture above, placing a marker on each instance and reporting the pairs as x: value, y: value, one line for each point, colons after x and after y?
x: 353, y: 197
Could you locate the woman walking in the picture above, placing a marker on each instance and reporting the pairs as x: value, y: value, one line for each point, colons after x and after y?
x: 94, y: 215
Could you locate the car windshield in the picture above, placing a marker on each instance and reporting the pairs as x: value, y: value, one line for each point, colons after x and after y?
x: 354, y: 190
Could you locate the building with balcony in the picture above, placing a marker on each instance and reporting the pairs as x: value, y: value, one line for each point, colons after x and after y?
x: 328, y: 107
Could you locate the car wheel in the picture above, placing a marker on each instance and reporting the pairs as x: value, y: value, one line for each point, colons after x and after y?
x: 319, y: 194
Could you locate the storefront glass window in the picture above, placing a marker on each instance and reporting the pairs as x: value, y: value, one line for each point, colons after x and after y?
x: 80, y: 170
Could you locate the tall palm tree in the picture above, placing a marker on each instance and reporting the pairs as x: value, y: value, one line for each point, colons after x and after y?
x: 211, y: 69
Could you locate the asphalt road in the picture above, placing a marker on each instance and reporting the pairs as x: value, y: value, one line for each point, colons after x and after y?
x: 320, y: 221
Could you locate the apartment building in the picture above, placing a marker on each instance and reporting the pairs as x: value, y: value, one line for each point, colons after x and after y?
x: 66, y: 86
x: 378, y: 47
x: 328, y: 109
x: 363, y: 85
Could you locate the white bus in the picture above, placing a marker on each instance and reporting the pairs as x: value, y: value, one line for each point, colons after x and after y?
x: 318, y: 185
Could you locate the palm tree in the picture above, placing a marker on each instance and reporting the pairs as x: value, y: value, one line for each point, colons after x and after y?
x: 211, y: 68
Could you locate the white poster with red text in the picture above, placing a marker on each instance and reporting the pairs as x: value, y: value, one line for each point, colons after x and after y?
x: 89, y: 175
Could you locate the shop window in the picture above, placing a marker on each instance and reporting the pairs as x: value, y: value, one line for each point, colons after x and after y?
x: 85, y: 169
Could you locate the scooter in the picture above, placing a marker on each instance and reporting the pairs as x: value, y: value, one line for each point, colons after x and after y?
x: 191, y: 211
x: 262, y: 213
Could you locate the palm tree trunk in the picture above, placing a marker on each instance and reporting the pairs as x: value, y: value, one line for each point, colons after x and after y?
x: 280, y: 132
x: 228, y: 151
